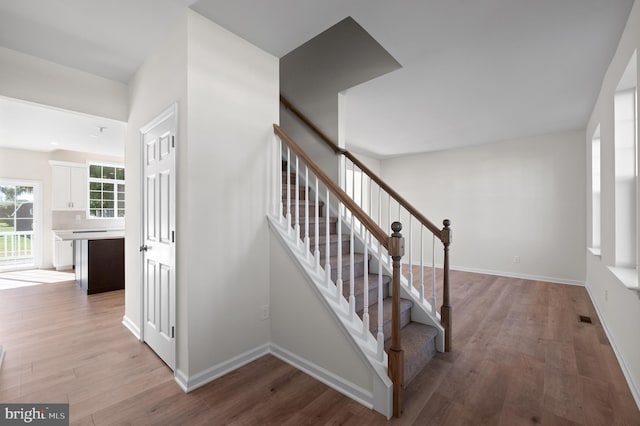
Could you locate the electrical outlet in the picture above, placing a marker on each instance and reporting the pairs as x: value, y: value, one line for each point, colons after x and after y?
x: 516, y: 259
x: 265, y: 312
x: 606, y: 295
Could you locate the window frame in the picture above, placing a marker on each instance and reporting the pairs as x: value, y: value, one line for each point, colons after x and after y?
x: 115, y: 209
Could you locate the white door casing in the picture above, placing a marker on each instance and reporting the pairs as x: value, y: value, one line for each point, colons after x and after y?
x: 157, y: 247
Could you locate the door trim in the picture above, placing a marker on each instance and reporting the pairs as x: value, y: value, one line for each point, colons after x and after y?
x: 168, y: 112
x: 37, y: 249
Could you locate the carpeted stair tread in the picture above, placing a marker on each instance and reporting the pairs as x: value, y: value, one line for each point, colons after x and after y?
x: 333, y: 222
x: 301, y: 193
x: 358, y: 290
x: 419, y: 346
x: 322, y: 238
x: 357, y: 257
x: 358, y: 266
x: 333, y: 242
x: 405, y: 316
x: 302, y: 209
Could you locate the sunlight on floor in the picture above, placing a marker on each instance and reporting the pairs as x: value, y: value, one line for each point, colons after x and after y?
x: 30, y: 277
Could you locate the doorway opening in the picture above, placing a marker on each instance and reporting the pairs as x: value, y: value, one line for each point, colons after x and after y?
x: 19, y: 225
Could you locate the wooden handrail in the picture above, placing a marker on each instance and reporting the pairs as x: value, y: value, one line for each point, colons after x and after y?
x: 345, y: 199
x: 395, y: 248
x: 288, y: 105
x: 382, y: 184
x: 444, y: 234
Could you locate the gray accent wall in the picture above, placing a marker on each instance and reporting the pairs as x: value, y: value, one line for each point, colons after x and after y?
x: 312, y: 75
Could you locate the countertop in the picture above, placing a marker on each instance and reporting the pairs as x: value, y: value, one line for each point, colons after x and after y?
x: 88, y: 234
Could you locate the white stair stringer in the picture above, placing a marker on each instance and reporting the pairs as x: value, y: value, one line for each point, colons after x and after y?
x: 380, y: 398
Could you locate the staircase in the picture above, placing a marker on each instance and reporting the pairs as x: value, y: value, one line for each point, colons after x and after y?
x: 418, y: 340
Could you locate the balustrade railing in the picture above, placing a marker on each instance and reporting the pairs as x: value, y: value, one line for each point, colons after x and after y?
x: 15, y: 246
x: 384, y: 206
x: 318, y: 218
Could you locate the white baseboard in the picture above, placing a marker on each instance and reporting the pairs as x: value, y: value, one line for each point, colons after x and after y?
x: 131, y: 326
x: 520, y: 276
x: 190, y: 383
x: 633, y: 386
x: 181, y: 379
x: 335, y: 382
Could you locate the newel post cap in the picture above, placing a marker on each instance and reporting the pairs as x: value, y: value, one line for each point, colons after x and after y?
x: 446, y: 232
x: 396, y: 241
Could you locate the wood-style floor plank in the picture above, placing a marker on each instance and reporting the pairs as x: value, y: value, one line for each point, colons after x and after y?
x: 520, y: 357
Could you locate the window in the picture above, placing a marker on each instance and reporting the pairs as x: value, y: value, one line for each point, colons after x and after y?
x: 595, y: 189
x: 626, y: 168
x: 106, y: 191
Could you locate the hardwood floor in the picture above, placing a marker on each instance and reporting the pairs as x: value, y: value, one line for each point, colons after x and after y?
x: 520, y: 357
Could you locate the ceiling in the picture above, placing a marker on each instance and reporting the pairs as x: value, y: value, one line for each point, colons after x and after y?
x: 34, y: 127
x: 474, y: 71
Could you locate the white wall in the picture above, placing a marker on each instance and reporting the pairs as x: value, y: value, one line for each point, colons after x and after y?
x: 227, y: 92
x: 34, y: 166
x: 520, y: 198
x: 160, y: 81
x: 301, y: 325
x: 618, y: 307
x: 233, y: 94
x: 35, y: 80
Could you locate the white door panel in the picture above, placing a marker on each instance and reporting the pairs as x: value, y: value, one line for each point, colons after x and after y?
x: 158, y: 231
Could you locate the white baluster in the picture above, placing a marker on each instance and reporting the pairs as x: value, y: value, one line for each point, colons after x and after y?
x: 297, y: 206
x: 433, y: 273
x: 279, y: 179
x: 288, y: 171
x: 389, y: 227
x: 339, y: 282
x: 365, y: 296
x: 410, y: 251
x: 352, y: 268
x: 361, y: 189
x: 421, y: 264
x: 380, y: 209
x: 307, y: 247
x: 327, y: 256
x: 380, y: 337
x: 370, y: 195
x: 277, y: 166
x: 316, y: 252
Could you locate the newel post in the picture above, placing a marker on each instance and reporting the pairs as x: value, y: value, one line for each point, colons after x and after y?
x: 446, y: 312
x: 396, y: 355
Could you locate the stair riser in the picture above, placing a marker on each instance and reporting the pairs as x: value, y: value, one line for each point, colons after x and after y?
x: 322, y: 225
x: 302, y: 211
x: 358, y: 269
x: 373, y: 296
x: 293, y: 179
x: 333, y: 248
x: 415, y: 365
x: 301, y: 193
x: 405, y: 318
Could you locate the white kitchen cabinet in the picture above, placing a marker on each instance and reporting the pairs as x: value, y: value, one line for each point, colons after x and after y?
x: 69, y: 186
x: 62, y: 254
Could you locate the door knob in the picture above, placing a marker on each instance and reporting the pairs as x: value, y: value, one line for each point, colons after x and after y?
x: 144, y: 248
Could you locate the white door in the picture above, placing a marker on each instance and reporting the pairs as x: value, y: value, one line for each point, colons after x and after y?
x: 158, y: 235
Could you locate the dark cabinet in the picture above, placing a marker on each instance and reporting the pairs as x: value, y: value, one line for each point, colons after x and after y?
x: 100, y: 265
